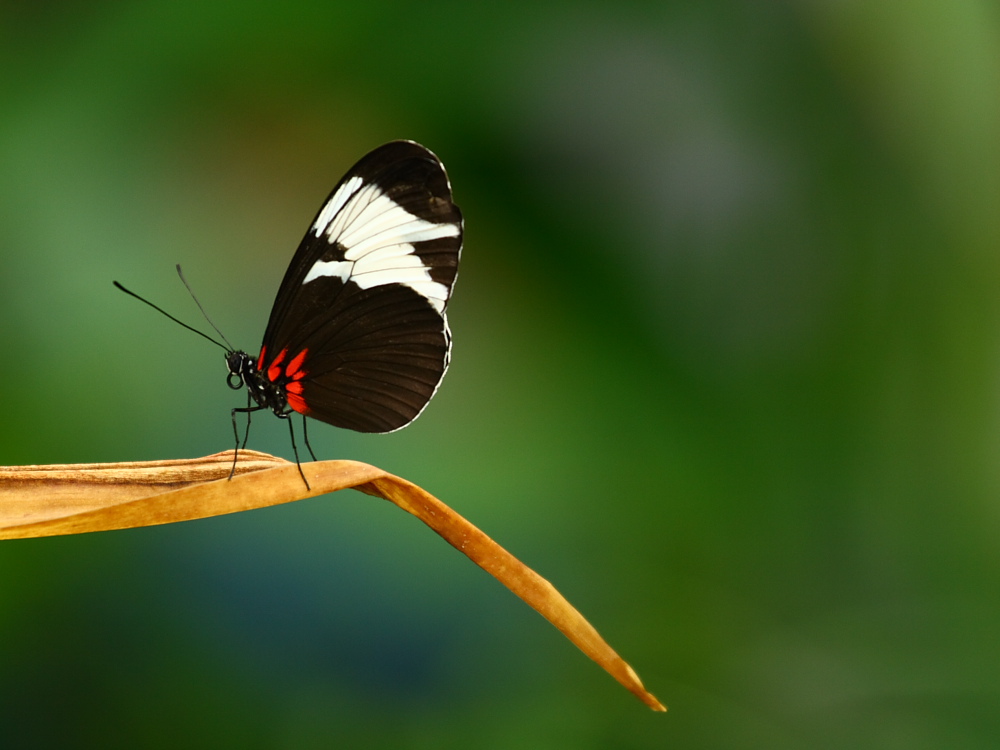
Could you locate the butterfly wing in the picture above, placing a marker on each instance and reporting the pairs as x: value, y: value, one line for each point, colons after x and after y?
x: 358, y: 335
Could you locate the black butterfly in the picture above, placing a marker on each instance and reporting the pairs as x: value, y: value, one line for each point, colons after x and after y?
x: 358, y: 335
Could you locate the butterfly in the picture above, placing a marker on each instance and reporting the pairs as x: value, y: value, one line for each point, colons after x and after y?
x: 358, y: 335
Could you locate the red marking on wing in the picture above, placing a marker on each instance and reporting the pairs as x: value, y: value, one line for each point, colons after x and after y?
x: 274, y: 371
x: 294, y: 370
x: 293, y: 395
x: 260, y: 359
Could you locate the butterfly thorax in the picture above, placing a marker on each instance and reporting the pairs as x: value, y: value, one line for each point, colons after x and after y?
x: 264, y: 392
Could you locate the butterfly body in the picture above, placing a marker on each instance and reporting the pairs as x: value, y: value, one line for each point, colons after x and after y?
x: 266, y: 393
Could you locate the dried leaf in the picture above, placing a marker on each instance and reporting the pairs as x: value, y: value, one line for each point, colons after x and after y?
x: 38, y: 501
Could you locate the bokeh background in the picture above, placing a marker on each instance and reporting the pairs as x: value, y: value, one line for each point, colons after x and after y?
x: 726, y: 371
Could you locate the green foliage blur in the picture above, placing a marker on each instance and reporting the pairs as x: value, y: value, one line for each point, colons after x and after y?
x: 726, y: 371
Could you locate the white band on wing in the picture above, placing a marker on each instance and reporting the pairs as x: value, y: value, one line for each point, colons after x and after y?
x: 377, y: 236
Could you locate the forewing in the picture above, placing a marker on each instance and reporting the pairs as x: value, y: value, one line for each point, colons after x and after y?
x: 365, y: 296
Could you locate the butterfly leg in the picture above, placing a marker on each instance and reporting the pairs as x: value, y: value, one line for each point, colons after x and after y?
x: 246, y: 435
x: 236, y: 433
x: 295, y: 449
x: 305, y: 435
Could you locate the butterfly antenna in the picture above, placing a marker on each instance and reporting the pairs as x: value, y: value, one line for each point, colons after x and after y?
x: 179, y: 322
x: 191, y: 292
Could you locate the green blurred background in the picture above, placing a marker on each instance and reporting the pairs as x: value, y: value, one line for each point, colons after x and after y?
x: 726, y: 371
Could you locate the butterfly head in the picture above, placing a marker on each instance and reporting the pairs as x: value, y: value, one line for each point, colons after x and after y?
x: 240, y: 365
